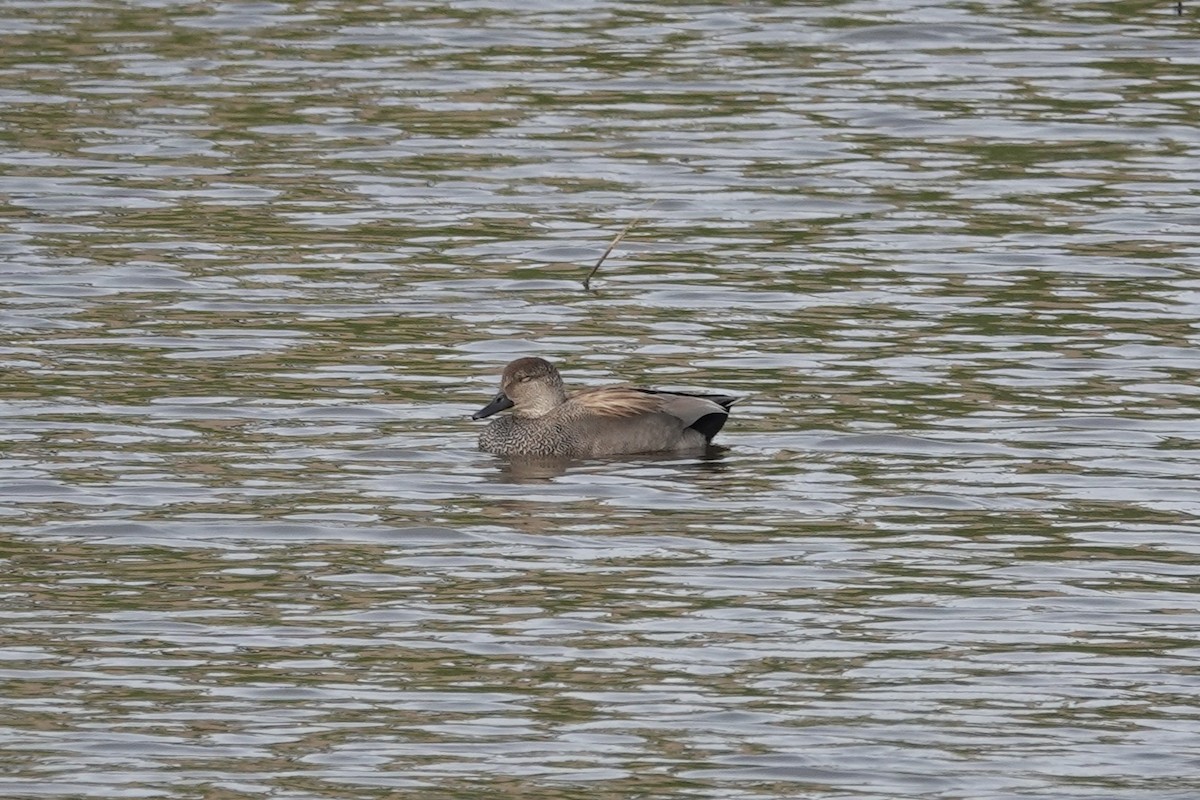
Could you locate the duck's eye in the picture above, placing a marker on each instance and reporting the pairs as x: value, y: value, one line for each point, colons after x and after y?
x: 526, y: 378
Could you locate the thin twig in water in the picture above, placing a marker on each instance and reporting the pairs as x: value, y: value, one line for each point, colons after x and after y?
x: 616, y: 240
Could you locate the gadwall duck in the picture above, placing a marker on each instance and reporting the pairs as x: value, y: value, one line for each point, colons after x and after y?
x: 609, y: 420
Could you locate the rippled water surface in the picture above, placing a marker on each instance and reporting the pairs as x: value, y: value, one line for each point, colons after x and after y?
x: 260, y: 261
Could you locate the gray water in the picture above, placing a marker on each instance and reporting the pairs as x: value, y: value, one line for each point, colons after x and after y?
x: 260, y: 261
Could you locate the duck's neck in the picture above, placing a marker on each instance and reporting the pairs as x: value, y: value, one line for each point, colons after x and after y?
x: 541, y: 405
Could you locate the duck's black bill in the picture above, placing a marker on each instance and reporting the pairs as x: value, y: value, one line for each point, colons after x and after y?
x: 498, y: 404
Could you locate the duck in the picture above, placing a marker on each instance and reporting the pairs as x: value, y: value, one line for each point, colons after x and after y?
x: 547, y: 422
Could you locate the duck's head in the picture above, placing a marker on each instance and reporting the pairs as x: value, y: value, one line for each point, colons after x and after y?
x: 529, y: 386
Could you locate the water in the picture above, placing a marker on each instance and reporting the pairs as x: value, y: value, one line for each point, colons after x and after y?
x: 260, y: 261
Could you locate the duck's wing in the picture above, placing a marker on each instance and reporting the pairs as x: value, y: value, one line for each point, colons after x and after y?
x: 703, y: 413
x: 652, y: 414
x: 725, y: 401
x: 614, y: 401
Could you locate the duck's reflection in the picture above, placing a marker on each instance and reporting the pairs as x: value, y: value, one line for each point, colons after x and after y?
x: 711, y: 460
